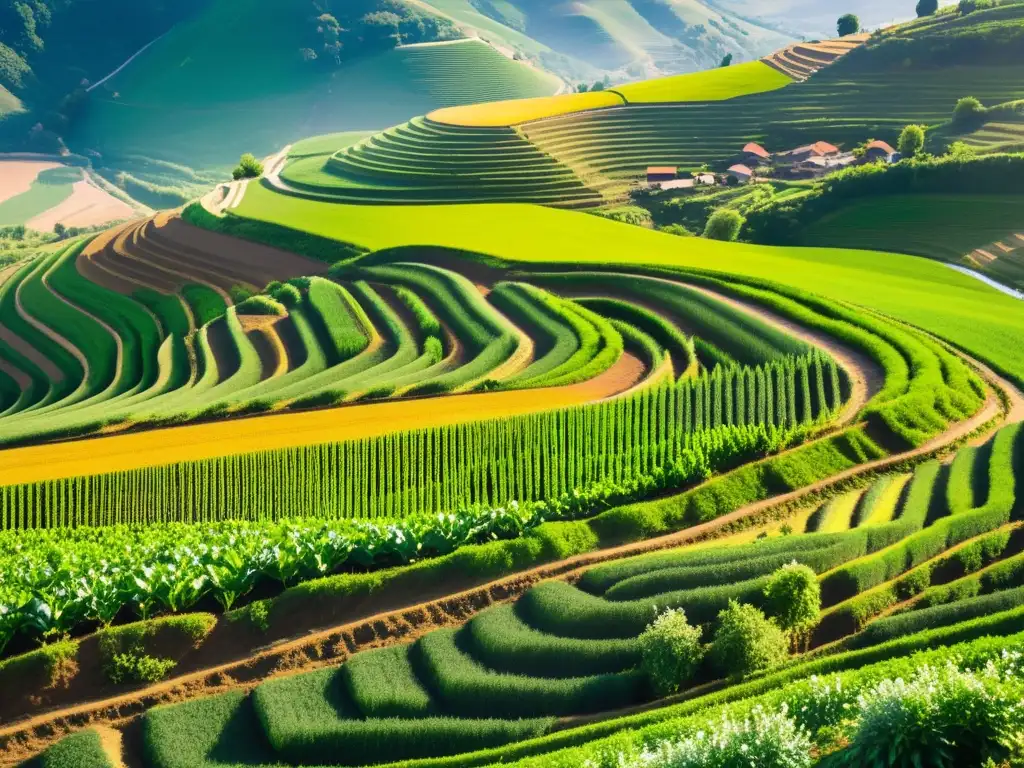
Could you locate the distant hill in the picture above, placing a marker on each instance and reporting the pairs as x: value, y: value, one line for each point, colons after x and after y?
x: 629, y: 38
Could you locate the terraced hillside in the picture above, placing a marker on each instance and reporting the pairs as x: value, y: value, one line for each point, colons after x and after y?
x: 607, y: 145
x: 801, y: 60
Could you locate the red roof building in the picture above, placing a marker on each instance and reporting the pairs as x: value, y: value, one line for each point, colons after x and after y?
x: 756, y: 150
x: 740, y: 172
x: 880, y: 146
x: 661, y: 173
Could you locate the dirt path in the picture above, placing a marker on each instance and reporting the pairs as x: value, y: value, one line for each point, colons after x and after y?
x: 402, y: 624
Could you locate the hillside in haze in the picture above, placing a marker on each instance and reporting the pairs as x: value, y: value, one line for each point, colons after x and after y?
x: 163, y: 98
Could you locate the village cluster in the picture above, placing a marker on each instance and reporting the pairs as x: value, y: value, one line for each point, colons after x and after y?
x: 754, y: 163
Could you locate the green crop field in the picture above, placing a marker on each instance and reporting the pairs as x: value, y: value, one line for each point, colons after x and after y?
x: 713, y: 85
x: 929, y: 295
x: 49, y: 189
x: 406, y: 452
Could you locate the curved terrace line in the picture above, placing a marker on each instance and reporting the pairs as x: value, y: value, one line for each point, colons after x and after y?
x: 403, y: 624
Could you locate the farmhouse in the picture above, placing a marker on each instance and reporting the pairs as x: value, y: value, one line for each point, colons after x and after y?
x: 879, y: 151
x: 754, y: 155
x: 741, y: 173
x: 818, y: 149
x: 660, y: 173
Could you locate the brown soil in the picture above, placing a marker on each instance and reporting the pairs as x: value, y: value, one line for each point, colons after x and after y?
x: 16, y: 176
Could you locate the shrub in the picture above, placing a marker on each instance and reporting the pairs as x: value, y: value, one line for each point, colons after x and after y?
x: 940, y: 717
x: 747, y: 642
x: 848, y: 24
x: 794, y: 598
x: 968, y: 110
x: 765, y: 739
x: 724, y: 224
x: 911, y: 141
x: 676, y: 229
x: 927, y: 7
x: 288, y: 295
x: 670, y: 651
x: 248, y: 168
x: 260, y: 305
x: 970, y: 6
x: 133, y: 667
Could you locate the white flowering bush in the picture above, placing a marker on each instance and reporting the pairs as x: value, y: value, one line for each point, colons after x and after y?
x: 822, y: 702
x: 670, y: 651
x: 941, y: 717
x: 765, y: 739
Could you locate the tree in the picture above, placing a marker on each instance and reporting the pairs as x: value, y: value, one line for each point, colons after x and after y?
x: 747, y: 642
x: 726, y: 60
x: 968, y: 111
x: 961, y: 150
x: 670, y: 651
x: 248, y: 168
x: 970, y: 6
x: 927, y: 8
x: 724, y: 224
x: 60, y: 231
x: 911, y: 142
x: 793, y: 599
x: 598, y: 86
x: 582, y: 88
x: 679, y: 230
x: 848, y: 25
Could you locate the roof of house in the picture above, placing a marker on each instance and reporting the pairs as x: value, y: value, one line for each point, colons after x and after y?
x: 741, y: 169
x: 753, y: 148
x: 884, y: 146
x: 817, y: 148
x: 658, y: 170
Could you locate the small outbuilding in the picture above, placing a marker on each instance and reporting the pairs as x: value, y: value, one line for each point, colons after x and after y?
x: 879, y: 150
x: 659, y: 173
x: 741, y: 173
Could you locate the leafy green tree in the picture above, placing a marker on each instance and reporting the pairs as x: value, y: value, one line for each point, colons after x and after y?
x: 848, y: 24
x: 927, y: 8
x: 724, y: 224
x: 726, y: 60
x: 60, y: 231
x: 248, y: 168
x: 911, y: 142
x: 598, y: 86
x: 968, y: 111
x: 793, y: 599
x: 747, y: 642
x: 970, y: 6
x: 670, y: 651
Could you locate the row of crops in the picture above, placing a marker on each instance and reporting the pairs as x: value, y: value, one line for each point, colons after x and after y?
x: 117, y: 337
x: 942, y: 578
x: 530, y: 457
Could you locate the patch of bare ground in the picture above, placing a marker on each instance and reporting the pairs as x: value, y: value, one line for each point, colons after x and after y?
x: 88, y: 206
x: 16, y: 176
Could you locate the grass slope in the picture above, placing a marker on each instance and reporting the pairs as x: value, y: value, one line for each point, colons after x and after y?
x: 232, y: 80
x: 954, y: 306
x: 943, y: 227
x: 712, y: 85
